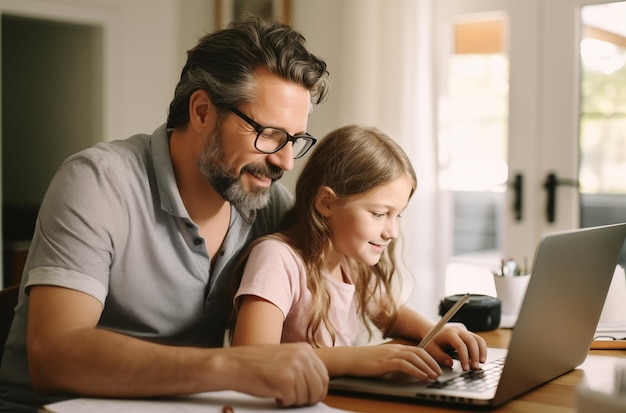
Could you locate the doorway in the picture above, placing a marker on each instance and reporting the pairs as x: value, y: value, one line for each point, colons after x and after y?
x: 52, y: 106
x: 532, y: 99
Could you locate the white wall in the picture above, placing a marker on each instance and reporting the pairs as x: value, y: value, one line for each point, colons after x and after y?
x: 145, y: 42
x: 380, y: 63
x: 347, y: 35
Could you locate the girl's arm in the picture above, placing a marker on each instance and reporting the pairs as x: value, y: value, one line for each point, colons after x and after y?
x: 408, y: 325
x: 271, y: 277
x: 470, y: 347
x: 261, y: 322
x: 258, y: 322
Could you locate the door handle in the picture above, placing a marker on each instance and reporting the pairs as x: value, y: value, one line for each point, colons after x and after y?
x: 518, y: 186
x: 550, y: 185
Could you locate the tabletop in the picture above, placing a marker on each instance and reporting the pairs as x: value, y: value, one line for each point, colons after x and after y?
x: 558, y: 395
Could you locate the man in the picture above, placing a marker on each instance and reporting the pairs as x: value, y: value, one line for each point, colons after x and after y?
x: 127, y: 289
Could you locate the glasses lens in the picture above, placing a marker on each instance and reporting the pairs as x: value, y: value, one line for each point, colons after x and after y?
x: 301, y: 146
x: 270, y: 139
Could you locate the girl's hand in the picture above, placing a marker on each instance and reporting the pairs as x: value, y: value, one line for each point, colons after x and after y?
x: 470, y: 348
x: 378, y: 360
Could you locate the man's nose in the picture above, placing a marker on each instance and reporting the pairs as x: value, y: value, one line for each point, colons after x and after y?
x: 283, y: 158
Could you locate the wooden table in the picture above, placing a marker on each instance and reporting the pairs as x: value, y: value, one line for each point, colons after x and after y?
x: 558, y: 396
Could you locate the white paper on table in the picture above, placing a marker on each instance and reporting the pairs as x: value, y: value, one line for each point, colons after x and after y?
x: 616, y: 331
x: 614, y: 310
x: 613, y: 318
x: 210, y: 402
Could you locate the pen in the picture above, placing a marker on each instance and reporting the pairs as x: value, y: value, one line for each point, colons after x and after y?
x: 447, y: 316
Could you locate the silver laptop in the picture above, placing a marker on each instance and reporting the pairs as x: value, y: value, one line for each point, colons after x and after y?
x: 570, y: 279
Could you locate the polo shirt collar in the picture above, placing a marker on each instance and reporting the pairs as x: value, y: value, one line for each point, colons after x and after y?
x: 170, y: 198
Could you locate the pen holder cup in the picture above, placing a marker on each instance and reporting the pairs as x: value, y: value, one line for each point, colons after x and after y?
x: 511, y: 291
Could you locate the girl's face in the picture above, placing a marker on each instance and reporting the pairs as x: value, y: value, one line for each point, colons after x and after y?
x: 363, y: 225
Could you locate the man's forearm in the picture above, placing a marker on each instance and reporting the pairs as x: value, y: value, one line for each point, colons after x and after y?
x: 97, y: 362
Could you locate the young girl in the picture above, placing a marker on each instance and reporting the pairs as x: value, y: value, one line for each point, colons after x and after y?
x: 330, y: 268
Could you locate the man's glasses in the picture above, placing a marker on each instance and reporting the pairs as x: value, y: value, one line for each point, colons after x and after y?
x: 271, y: 140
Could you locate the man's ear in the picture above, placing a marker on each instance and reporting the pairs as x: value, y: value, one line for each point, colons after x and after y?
x: 325, y: 200
x: 200, y: 107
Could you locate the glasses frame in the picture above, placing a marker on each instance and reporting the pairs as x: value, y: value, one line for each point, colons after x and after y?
x: 258, y: 128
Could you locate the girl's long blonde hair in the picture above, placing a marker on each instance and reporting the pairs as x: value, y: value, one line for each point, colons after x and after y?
x: 350, y: 160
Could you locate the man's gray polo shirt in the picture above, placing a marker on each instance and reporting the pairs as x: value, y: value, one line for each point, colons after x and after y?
x: 114, y: 226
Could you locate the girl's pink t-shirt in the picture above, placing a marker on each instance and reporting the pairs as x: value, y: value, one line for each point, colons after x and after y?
x: 276, y: 273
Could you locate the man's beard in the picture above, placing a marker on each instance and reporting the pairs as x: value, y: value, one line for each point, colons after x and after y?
x: 212, y: 164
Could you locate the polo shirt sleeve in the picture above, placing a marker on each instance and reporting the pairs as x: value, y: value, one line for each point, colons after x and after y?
x: 275, y: 273
x: 80, y: 219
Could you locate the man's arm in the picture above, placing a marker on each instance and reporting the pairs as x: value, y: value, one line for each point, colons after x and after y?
x: 68, y: 354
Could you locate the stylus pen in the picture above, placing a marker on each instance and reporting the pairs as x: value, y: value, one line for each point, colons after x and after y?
x: 447, y: 316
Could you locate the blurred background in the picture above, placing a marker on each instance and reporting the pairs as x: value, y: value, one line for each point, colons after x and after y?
x: 514, y: 113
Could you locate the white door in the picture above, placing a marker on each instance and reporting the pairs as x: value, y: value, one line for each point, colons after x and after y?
x: 509, y: 118
x: 583, y: 120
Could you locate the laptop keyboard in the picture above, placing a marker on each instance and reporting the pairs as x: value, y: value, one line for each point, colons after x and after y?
x: 474, y: 380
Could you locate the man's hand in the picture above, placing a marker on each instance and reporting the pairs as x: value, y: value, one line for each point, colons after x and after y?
x: 291, y: 373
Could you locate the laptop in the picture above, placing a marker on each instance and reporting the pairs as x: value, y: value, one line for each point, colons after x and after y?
x: 570, y: 279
